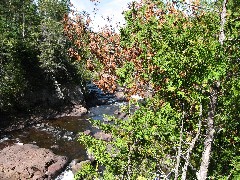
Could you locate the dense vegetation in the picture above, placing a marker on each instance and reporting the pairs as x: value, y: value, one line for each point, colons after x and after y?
x: 187, y: 55
x: 34, y: 61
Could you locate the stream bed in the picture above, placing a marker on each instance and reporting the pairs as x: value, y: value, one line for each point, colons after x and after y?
x: 60, y: 134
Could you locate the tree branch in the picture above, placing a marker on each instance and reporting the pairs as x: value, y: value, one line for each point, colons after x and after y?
x: 179, y: 153
x: 179, y: 148
x: 191, y: 146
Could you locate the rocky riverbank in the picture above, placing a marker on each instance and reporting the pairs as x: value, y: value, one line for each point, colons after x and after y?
x: 21, y: 121
x: 53, y: 135
x: 30, y: 162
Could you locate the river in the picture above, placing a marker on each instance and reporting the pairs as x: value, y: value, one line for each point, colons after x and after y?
x: 60, y: 134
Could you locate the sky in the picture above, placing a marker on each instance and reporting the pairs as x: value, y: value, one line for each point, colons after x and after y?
x: 106, y: 8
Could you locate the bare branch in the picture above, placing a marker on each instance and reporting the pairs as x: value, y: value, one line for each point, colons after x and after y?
x: 191, y: 146
x: 179, y: 148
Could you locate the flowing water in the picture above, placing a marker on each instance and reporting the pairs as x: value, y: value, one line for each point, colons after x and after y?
x: 60, y: 134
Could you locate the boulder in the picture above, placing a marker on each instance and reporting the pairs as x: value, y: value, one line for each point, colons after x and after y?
x: 103, y: 136
x: 98, y: 134
x: 78, y: 166
x: 30, y: 162
x: 78, y: 110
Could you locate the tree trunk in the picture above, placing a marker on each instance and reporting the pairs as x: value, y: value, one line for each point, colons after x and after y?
x: 23, y: 26
x: 202, y: 174
x: 223, y: 21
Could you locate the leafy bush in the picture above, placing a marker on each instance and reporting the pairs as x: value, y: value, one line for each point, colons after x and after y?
x: 188, y: 57
x: 140, y: 145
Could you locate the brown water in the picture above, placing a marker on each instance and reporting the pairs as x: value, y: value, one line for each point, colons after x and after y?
x: 60, y: 134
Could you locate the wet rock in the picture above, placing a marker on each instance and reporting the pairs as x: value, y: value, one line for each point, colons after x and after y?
x: 29, y: 162
x: 75, y: 95
x: 90, y: 156
x: 74, y: 162
x: 104, y: 109
x: 122, y: 115
x: 77, y: 110
x: 103, y: 136
x: 120, y: 95
x: 56, y: 167
x: 92, y: 99
x: 38, y: 125
x: 98, y: 134
x: 55, y: 146
x: 79, y: 166
x: 87, y: 132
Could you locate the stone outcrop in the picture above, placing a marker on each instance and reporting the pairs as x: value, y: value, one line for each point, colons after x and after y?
x: 98, y: 134
x: 76, y: 110
x: 78, y: 166
x: 30, y: 162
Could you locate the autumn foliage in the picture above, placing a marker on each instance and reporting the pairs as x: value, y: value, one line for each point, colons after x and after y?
x: 173, y: 50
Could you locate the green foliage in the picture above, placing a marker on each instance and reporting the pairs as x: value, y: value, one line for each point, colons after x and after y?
x: 124, y: 74
x: 12, y: 81
x: 87, y: 172
x: 181, y: 59
x: 138, y: 146
x: 34, y: 51
x: 14, y: 17
x: 54, y: 9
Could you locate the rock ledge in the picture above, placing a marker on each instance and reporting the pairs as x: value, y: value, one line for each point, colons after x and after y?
x: 30, y: 162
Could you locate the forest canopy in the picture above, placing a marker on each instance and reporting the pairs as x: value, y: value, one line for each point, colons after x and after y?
x: 34, y: 61
x: 186, y: 54
x: 182, y: 57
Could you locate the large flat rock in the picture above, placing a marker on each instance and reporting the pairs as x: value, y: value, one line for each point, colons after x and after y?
x: 29, y: 162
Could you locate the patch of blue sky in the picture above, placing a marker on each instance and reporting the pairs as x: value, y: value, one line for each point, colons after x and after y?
x: 106, y: 8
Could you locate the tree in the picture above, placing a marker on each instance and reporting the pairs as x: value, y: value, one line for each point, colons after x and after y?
x: 33, y: 54
x: 17, y: 37
x: 186, y: 54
